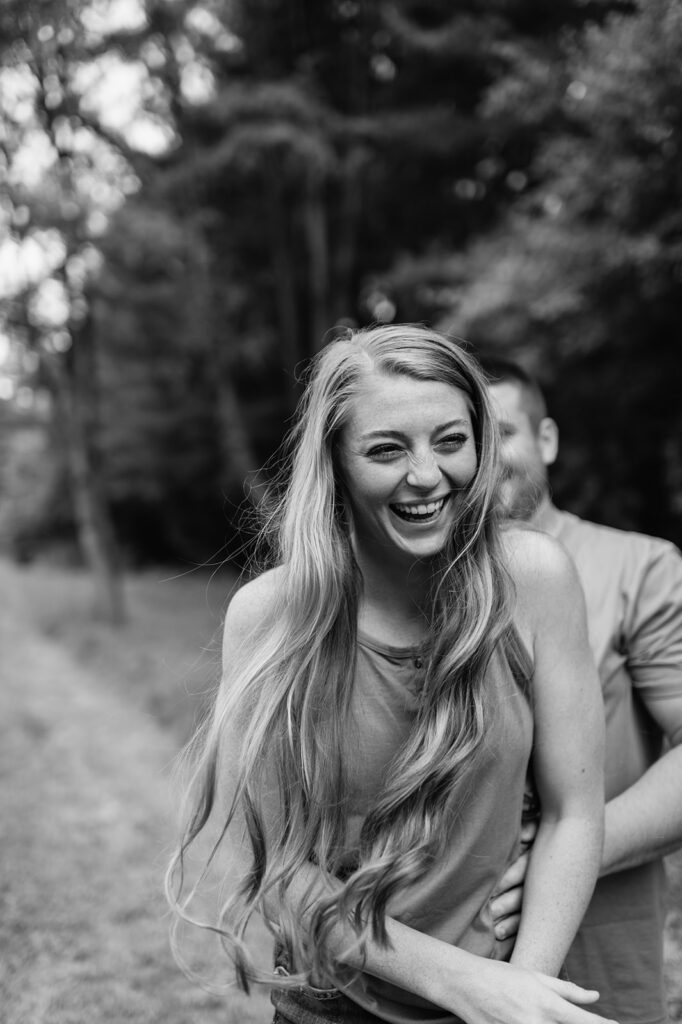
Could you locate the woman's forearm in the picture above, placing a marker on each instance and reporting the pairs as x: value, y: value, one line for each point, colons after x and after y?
x: 563, y: 869
x: 412, y: 960
x: 478, y: 990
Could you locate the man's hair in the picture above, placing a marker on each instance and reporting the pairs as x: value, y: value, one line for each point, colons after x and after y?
x: 504, y: 371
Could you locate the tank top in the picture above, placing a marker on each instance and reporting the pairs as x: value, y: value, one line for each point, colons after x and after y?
x: 452, y: 901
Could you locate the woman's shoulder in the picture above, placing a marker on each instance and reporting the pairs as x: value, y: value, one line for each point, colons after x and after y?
x: 541, y: 568
x: 546, y: 582
x: 529, y: 548
x: 252, y: 604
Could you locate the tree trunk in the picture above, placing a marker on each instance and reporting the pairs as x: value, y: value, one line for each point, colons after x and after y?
x: 95, y: 534
x: 77, y: 396
x: 343, y: 304
x: 239, y: 462
x: 94, y: 527
x: 315, y: 228
x: 239, y: 466
x: 285, y: 286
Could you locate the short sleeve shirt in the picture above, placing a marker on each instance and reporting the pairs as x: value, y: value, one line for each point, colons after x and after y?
x: 633, y: 591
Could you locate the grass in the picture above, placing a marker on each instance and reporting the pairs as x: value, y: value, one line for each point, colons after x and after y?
x: 90, y: 720
x: 166, y: 658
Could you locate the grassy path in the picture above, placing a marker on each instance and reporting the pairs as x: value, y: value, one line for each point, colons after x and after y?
x: 90, y: 720
x: 84, y: 812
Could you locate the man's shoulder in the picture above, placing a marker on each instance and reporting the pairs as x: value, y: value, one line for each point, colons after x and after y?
x: 595, y: 540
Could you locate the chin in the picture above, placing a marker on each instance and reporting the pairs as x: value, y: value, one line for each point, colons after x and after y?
x: 426, y: 552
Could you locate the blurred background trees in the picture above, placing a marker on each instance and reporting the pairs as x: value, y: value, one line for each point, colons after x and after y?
x: 197, y: 193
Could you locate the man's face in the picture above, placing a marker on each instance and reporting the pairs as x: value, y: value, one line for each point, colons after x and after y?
x: 526, y: 452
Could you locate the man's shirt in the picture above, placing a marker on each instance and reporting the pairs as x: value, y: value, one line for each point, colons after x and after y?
x: 633, y: 591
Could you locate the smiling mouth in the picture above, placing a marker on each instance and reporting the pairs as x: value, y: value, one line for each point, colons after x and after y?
x: 419, y: 512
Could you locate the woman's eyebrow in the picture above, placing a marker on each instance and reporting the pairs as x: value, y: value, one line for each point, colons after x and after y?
x: 460, y: 422
x: 381, y: 433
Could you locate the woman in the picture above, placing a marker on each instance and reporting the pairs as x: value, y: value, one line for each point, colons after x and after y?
x: 384, y: 688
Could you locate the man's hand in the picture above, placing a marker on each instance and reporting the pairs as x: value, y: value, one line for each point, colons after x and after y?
x: 508, y: 898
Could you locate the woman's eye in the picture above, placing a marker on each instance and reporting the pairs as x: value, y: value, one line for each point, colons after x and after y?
x: 452, y: 442
x: 384, y: 452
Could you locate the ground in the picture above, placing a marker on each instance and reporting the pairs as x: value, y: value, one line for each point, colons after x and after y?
x: 86, y: 821
x: 91, y: 720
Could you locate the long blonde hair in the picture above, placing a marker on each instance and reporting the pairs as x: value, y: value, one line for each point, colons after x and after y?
x: 293, y: 695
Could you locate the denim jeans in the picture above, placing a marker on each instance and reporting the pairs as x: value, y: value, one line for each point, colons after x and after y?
x: 307, y: 1005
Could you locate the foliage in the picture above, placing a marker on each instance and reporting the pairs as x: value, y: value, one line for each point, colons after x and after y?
x: 584, y: 279
x: 289, y: 185
x: 61, y: 177
x: 506, y: 169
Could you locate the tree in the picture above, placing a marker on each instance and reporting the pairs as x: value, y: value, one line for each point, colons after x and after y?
x: 289, y: 185
x: 584, y: 280
x: 315, y: 165
x: 50, y: 315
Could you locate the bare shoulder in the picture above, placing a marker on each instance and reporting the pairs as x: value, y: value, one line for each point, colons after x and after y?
x: 251, y: 607
x: 543, y: 572
x: 530, y: 552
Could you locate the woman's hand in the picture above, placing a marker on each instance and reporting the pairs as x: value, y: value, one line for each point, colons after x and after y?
x: 508, y: 897
x: 504, y: 994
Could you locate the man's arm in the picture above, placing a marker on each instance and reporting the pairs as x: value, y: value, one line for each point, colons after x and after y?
x: 644, y: 822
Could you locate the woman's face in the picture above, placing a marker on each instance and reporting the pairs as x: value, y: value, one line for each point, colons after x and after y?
x: 406, y: 454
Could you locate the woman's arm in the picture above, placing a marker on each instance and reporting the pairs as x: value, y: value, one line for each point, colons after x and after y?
x: 479, y: 990
x: 568, y: 753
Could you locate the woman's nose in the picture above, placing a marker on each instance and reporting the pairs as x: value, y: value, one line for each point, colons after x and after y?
x: 424, y: 472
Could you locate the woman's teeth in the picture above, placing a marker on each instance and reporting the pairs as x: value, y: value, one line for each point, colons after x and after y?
x: 420, y: 512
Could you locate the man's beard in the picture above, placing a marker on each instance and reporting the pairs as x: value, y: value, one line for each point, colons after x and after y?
x: 520, y: 496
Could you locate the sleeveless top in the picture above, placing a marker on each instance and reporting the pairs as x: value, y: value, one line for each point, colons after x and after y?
x: 451, y: 902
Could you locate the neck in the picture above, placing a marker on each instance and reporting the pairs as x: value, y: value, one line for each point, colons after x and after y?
x: 394, y: 598
x: 546, y: 516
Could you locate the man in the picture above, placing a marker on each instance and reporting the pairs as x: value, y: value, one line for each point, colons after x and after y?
x: 633, y: 589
